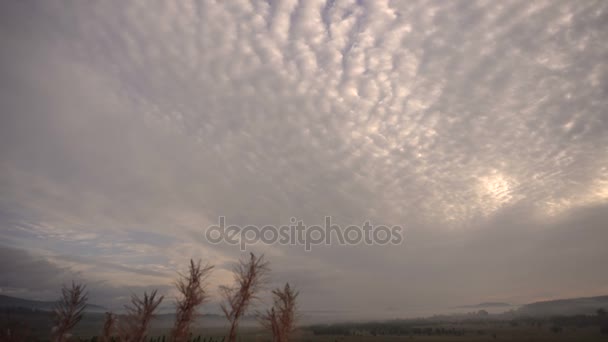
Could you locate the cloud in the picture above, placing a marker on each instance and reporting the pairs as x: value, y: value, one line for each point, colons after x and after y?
x: 39, y: 277
x: 22, y: 271
x: 128, y: 128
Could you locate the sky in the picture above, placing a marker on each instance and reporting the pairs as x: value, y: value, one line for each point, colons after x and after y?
x: 480, y: 127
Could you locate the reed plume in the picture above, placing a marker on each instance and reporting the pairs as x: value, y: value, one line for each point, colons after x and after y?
x: 68, y: 311
x: 281, y: 318
x: 108, y: 327
x: 193, y: 294
x: 139, y: 315
x: 249, y: 274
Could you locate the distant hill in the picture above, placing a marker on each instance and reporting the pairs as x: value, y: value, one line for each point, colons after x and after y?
x: 14, y: 302
x: 563, y: 307
x: 485, y: 305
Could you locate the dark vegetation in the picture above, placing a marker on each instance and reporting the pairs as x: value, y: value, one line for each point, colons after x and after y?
x: 476, y: 325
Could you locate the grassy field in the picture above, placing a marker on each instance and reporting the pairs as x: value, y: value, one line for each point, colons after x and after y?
x: 480, y: 326
x: 489, y: 334
x: 39, y: 325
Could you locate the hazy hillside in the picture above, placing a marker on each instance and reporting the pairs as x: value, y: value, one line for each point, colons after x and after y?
x: 485, y: 305
x: 574, y: 306
x: 14, y: 302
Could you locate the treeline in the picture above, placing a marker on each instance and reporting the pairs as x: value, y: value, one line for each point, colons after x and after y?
x: 473, y: 326
x: 558, y: 323
x: 394, y: 328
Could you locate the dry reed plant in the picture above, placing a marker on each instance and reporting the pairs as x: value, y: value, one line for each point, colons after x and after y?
x: 139, y: 315
x: 193, y: 293
x: 249, y: 275
x: 108, y: 327
x: 68, y: 311
x: 281, y: 318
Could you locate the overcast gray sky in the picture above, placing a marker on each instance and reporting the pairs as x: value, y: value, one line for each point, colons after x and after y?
x: 481, y: 127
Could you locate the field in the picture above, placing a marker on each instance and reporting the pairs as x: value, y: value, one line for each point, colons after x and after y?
x: 487, y: 333
x: 573, y: 328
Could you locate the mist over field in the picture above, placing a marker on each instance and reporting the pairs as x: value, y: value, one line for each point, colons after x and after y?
x: 479, y: 128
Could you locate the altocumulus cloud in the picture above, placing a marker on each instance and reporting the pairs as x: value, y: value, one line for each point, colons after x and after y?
x: 128, y: 127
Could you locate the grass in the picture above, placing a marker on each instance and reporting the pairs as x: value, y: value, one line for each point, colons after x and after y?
x: 139, y: 315
x: 503, y: 330
x: 281, y: 318
x: 69, y: 311
x: 249, y: 275
x: 193, y: 294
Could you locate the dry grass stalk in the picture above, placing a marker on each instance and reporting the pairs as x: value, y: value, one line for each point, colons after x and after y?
x: 270, y: 321
x: 281, y: 318
x: 249, y: 275
x: 192, y: 289
x: 139, y: 315
x: 108, y: 327
x: 69, y: 311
